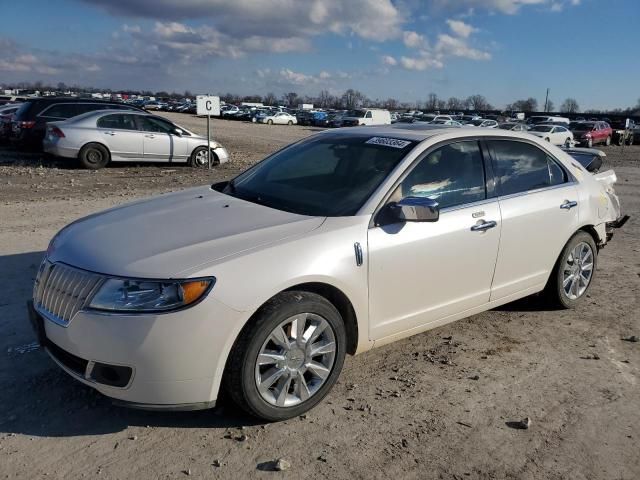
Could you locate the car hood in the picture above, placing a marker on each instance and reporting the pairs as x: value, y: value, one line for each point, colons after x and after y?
x: 163, y: 237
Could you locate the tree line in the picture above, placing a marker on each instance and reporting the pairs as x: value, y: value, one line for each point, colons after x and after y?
x: 350, y: 99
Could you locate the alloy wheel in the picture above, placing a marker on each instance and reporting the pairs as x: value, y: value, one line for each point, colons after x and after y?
x: 295, y: 360
x: 202, y: 158
x: 578, y: 271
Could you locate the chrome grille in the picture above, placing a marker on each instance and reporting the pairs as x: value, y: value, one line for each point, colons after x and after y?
x: 60, y: 291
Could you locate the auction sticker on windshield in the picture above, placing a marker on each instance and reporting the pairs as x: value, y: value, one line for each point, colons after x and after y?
x: 388, y: 142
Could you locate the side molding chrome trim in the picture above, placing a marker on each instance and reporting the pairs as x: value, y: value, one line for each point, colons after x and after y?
x: 358, y: 251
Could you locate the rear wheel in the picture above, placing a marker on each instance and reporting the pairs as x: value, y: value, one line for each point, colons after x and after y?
x: 567, y: 142
x: 573, y: 273
x: 94, y: 156
x: 288, y: 357
x: 269, y: 122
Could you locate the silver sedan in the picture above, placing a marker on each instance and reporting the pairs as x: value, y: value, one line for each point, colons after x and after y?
x: 97, y: 138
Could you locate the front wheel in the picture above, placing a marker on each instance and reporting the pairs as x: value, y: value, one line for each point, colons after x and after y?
x: 288, y: 357
x: 94, y: 156
x: 289, y: 123
x: 269, y: 122
x: 573, y: 273
x: 200, y: 159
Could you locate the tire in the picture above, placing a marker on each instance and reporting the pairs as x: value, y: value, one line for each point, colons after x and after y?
x: 590, y: 143
x: 630, y: 140
x: 620, y: 141
x: 269, y: 122
x: 198, y: 158
x: 243, y: 373
x: 564, y: 289
x: 289, y: 123
x: 94, y: 156
x: 607, y: 142
x: 567, y: 143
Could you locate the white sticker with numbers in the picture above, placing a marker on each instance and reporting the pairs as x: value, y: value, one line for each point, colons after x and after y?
x: 388, y: 142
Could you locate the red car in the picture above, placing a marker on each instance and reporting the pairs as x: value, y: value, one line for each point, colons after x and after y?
x: 591, y: 133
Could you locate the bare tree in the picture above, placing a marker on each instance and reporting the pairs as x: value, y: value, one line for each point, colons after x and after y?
x: 291, y: 99
x: 325, y: 99
x: 270, y: 99
x: 570, y: 105
x: 432, y: 102
x: 478, y: 102
x: 353, y: 99
x: 528, y: 105
x: 455, y: 103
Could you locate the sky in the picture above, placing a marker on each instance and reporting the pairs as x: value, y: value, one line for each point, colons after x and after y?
x: 404, y: 49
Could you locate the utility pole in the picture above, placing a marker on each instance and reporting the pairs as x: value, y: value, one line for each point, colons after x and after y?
x: 546, y: 101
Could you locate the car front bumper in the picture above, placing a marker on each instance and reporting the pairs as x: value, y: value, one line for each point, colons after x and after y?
x: 170, y: 361
x: 222, y: 154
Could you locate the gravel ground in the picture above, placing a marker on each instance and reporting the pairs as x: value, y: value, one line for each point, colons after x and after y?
x: 437, y: 405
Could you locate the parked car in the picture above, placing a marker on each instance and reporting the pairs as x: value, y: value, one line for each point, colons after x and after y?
x: 280, y: 118
x: 513, y: 126
x: 97, y: 138
x: 589, y: 158
x: 28, y: 125
x: 591, y: 133
x: 430, y: 117
x: 6, y: 99
x: 443, y: 121
x: 261, y: 285
x: 230, y: 111
x: 554, y: 134
x: 622, y: 133
x: 547, y: 119
x: 6, y: 114
x: 481, y: 122
x: 367, y: 116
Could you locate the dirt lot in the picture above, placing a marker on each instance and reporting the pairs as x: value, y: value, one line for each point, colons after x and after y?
x: 438, y: 405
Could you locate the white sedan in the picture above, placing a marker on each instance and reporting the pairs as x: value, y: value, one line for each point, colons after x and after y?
x: 280, y: 118
x: 554, y: 134
x: 347, y: 240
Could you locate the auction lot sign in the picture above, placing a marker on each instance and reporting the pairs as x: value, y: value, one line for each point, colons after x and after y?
x: 208, y: 105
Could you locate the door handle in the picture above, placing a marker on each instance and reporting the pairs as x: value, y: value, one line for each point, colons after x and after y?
x: 481, y: 227
x: 569, y: 204
x: 150, y: 136
x: 110, y: 133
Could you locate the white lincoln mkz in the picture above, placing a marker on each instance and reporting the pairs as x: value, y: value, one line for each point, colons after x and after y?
x: 344, y: 241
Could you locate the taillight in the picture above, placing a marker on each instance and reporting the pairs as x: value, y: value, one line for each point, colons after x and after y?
x: 56, y: 132
x: 26, y: 124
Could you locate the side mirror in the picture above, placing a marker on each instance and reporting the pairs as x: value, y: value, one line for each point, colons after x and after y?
x: 416, y: 209
x: 178, y: 132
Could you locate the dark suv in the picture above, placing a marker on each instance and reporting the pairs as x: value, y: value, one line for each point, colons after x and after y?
x: 622, y: 134
x: 29, y: 123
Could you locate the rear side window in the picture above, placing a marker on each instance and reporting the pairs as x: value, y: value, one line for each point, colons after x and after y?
x: 117, y: 121
x: 520, y: 167
x: 60, y: 110
x: 451, y: 175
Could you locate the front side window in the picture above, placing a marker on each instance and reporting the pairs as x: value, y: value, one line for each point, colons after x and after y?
x: 521, y: 167
x: 331, y: 175
x: 451, y: 175
x: 117, y: 122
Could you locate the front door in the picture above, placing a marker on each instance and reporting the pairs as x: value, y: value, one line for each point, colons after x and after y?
x: 423, y: 272
x: 119, y: 132
x: 160, y: 142
x: 538, y: 202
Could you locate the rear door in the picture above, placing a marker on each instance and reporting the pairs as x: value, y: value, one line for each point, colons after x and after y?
x: 120, y: 133
x: 160, y: 143
x: 538, y: 204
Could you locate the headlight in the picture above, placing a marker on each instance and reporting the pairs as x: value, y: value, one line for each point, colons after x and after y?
x: 124, y: 295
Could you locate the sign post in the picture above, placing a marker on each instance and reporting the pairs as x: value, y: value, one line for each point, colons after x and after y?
x: 208, y: 105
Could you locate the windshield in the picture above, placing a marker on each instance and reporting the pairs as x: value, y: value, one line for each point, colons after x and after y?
x: 541, y: 128
x: 584, y: 126
x: 328, y: 176
x: 477, y: 123
x: 356, y: 113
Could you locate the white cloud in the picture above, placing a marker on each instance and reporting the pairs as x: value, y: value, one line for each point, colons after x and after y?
x: 389, y: 60
x: 460, y: 28
x: 420, y: 63
x: 458, y: 47
x: 413, y: 40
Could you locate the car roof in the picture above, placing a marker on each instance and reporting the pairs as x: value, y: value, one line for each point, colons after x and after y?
x: 421, y: 132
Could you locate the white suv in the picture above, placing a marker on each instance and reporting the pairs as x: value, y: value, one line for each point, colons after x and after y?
x: 349, y: 239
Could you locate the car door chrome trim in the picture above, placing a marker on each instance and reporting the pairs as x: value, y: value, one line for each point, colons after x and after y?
x: 569, y: 204
x: 484, y: 226
x: 537, y: 190
x: 358, y: 252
